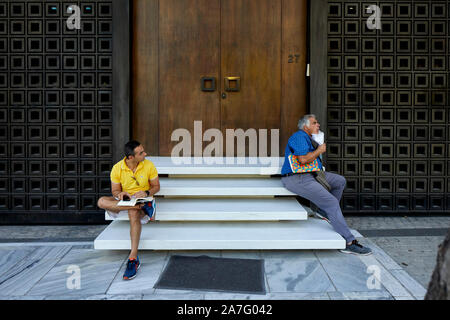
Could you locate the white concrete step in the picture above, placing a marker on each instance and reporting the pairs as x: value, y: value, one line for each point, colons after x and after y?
x: 218, y: 165
x: 223, y: 187
x: 309, y: 234
x: 225, y: 209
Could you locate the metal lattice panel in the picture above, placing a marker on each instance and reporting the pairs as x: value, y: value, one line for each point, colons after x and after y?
x: 388, y: 105
x: 55, y: 106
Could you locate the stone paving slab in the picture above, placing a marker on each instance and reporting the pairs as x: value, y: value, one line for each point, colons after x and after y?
x: 360, y: 295
x: 96, y: 270
x: 380, y: 254
x: 296, y: 275
x: 415, y: 255
x: 347, y: 272
x: 383, y: 277
x: 152, y: 264
x: 10, y: 256
x: 409, y: 283
x: 17, y: 280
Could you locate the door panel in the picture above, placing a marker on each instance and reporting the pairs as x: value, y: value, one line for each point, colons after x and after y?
x: 177, y: 42
x: 251, y: 49
x: 145, y: 82
x: 293, y: 66
x: 188, y: 50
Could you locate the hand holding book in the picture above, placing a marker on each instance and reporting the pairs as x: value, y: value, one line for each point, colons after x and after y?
x: 133, y: 201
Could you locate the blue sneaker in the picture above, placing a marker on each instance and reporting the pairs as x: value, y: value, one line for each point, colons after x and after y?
x: 132, y: 268
x: 149, y: 208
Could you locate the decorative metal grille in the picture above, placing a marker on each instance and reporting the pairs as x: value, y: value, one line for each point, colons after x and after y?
x: 55, y: 106
x: 388, y: 105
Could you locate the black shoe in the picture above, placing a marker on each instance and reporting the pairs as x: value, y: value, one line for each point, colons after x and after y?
x: 356, y: 248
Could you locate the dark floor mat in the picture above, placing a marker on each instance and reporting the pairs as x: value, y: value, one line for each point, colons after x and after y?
x: 213, y: 274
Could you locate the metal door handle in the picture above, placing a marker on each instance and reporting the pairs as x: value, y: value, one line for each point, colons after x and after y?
x: 232, y: 84
x: 211, y: 87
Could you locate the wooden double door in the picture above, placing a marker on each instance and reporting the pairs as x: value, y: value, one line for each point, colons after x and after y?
x: 231, y: 64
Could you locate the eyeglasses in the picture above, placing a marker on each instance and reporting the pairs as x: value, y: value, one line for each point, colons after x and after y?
x: 137, y: 182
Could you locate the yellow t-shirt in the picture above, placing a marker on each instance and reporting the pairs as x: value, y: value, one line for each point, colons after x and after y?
x: 137, y: 181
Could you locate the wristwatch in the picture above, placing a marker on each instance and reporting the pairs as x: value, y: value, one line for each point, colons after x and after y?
x: 148, y: 193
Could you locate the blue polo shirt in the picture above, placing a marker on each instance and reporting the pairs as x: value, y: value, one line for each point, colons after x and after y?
x: 299, y: 144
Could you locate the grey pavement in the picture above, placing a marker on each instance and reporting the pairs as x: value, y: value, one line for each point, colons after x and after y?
x: 415, y: 254
x: 52, y: 233
x: 44, y: 262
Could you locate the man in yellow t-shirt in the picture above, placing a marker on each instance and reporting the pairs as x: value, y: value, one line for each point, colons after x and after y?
x: 133, y: 176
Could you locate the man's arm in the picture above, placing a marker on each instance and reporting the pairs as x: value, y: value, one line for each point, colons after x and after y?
x: 300, y: 147
x: 116, y: 190
x: 154, y: 188
x: 311, y: 156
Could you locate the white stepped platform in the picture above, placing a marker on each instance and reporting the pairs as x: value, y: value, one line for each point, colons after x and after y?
x: 309, y: 234
x: 223, y: 187
x: 201, y: 206
x: 218, y: 166
x: 272, y: 209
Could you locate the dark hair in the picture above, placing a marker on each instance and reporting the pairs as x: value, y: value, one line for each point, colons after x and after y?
x: 130, y: 146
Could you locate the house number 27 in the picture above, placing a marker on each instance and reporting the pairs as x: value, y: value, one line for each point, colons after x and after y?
x: 293, y: 58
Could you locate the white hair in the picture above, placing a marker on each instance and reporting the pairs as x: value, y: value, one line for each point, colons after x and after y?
x: 304, y: 121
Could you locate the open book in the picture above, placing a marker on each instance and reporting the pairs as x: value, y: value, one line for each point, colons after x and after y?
x: 133, y: 201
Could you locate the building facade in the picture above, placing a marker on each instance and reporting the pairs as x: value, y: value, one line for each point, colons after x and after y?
x: 388, y: 105
x: 70, y: 98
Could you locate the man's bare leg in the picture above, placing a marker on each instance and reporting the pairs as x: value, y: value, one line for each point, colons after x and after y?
x: 110, y: 204
x: 135, y: 231
x: 134, y: 215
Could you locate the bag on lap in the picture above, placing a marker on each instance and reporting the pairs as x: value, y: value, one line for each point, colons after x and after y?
x: 297, y: 167
x: 312, y: 167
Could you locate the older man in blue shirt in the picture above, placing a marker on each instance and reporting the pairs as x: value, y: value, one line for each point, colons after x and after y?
x: 306, y: 186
